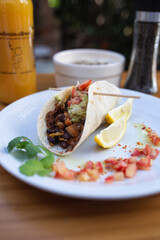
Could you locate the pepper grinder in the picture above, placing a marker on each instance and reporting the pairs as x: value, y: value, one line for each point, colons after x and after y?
x: 143, y: 64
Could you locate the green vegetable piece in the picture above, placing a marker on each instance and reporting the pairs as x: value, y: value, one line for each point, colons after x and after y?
x: 44, y: 172
x: 32, y: 167
x: 13, y: 143
x: 32, y: 150
x: 24, y: 143
x: 21, y: 145
x: 47, y: 161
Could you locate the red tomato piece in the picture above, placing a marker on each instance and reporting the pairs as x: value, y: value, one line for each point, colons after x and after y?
x: 109, y: 162
x: 112, y: 160
x: 147, y: 150
x: 120, y: 166
x: 83, y: 176
x: 74, y: 101
x: 99, y: 167
x: 93, y: 173
x: 119, y: 176
x: 126, y: 160
x: 63, y: 172
x: 74, y: 92
x: 109, y: 166
x: 109, y: 179
x: 137, y: 152
x: 144, y: 163
x: 68, y: 175
x: 88, y: 174
x: 84, y: 85
x: 154, y: 153
x: 132, y: 160
x: 130, y: 170
x: 154, y: 138
x: 89, y: 165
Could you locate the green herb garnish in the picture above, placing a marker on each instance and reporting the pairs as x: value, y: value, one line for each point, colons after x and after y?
x: 39, y: 160
x: 23, y: 143
x: 34, y: 166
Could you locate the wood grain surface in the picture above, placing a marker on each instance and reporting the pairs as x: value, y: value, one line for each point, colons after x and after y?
x: 27, y: 213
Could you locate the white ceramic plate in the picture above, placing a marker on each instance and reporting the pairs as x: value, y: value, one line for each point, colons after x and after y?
x: 20, y: 119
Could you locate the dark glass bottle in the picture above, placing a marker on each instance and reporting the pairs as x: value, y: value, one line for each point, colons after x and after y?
x: 143, y: 64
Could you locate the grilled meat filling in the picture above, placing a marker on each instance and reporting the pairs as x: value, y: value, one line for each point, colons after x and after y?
x: 65, y: 123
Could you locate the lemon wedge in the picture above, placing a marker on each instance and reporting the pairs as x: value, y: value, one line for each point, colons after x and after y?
x: 120, y: 111
x: 111, y: 135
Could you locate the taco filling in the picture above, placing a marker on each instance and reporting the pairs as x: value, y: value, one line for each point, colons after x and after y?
x: 65, y: 123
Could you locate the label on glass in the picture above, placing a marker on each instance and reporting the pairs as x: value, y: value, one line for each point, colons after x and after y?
x: 16, y: 53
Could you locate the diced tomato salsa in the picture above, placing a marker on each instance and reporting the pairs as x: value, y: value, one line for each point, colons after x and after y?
x: 123, y: 167
x: 141, y: 159
x: 153, y: 137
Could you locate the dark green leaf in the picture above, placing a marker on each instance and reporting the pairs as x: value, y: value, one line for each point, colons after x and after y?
x: 13, y: 143
x: 20, y: 155
x: 23, y: 143
x: 31, y: 150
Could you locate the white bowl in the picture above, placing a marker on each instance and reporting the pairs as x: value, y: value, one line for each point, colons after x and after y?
x: 83, y: 64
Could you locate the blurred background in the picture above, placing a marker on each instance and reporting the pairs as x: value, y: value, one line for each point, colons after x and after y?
x: 69, y: 24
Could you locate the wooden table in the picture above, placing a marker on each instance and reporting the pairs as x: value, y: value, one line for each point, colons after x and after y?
x: 27, y: 213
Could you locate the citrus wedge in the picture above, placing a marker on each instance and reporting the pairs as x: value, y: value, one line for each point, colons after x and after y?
x: 111, y: 135
x: 120, y: 111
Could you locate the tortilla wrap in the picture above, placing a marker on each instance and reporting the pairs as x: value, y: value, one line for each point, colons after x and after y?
x: 97, y: 108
